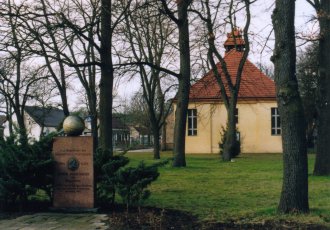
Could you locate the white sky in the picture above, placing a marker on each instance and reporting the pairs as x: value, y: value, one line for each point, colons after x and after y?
x: 261, y: 25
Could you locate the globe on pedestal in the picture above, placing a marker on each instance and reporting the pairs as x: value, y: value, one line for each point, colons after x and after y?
x: 73, y: 125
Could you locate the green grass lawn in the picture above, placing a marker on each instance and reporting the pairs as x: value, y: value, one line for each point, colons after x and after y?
x: 246, y: 190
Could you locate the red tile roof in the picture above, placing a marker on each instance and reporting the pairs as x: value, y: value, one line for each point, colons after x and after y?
x: 254, y: 84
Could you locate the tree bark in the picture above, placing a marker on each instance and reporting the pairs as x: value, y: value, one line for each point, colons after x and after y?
x: 230, y: 143
x: 184, y: 86
x: 155, y: 131
x: 322, y: 162
x: 294, y: 196
x: 106, y: 82
x: 163, y: 144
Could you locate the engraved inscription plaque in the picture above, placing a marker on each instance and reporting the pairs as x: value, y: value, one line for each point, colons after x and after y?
x: 73, y: 183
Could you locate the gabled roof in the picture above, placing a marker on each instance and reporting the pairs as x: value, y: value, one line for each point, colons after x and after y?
x: 118, y: 124
x: 254, y: 83
x: 142, y: 130
x: 48, y: 117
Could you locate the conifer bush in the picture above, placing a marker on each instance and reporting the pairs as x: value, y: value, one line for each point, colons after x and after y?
x: 113, y: 176
x: 105, y: 171
x: 133, y: 182
x: 237, y: 146
x: 24, y: 169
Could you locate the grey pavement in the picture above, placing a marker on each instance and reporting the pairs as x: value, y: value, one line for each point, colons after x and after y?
x: 51, y: 221
x: 141, y: 150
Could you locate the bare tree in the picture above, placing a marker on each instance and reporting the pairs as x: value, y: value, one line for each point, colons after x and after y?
x: 224, y: 78
x: 64, y: 51
x: 322, y: 162
x: 182, y: 23
x: 148, y: 34
x: 73, y: 30
x: 39, y: 23
x: 307, y: 76
x: 294, y: 196
x: 18, y: 78
x: 110, y: 15
x: 82, y: 51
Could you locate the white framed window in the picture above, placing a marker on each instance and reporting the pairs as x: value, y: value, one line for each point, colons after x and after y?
x: 192, y: 122
x: 276, y: 122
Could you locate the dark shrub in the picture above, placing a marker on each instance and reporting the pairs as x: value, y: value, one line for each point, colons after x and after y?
x: 237, y: 146
x: 25, y: 168
x: 130, y: 183
x: 105, y: 168
x: 133, y: 182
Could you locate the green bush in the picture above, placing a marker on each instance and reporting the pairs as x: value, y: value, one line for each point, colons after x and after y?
x: 133, y: 182
x: 130, y: 183
x: 25, y: 168
x: 105, y: 169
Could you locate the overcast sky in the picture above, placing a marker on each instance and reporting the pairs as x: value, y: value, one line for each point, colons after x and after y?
x: 261, y: 25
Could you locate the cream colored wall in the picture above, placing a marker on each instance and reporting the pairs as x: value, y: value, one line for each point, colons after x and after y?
x: 255, y: 127
x: 202, y: 142
x: 254, y: 124
x: 170, y: 122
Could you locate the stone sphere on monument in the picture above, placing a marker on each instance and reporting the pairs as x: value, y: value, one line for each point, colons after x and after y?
x: 73, y: 125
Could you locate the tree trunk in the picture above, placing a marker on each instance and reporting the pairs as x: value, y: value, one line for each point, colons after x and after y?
x: 322, y: 163
x: 294, y: 196
x: 184, y: 86
x: 163, y: 144
x: 106, y: 82
x: 65, y: 105
x: 94, y: 131
x: 156, y: 143
x: 230, y: 140
x: 21, y: 126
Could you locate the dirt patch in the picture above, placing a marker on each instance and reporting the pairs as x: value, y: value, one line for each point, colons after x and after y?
x: 159, y: 219
x: 148, y: 218
x: 151, y: 218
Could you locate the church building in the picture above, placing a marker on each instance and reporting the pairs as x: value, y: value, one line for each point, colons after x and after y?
x: 257, y: 117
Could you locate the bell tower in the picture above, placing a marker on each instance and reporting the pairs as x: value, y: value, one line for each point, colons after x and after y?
x: 234, y: 41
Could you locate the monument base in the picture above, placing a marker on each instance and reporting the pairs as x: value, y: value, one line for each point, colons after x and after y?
x: 74, y: 210
x: 73, y: 177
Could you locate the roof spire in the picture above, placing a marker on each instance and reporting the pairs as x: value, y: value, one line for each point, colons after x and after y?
x: 234, y: 39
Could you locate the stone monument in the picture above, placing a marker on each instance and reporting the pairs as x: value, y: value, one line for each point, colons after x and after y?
x: 74, y: 178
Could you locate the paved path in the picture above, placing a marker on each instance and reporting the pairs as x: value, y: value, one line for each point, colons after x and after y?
x: 141, y: 150
x: 51, y: 221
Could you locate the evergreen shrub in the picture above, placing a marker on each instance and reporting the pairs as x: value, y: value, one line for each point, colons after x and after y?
x: 105, y: 171
x: 25, y: 169
x: 112, y: 176
x: 237, y: 145
x: 133, y: 182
